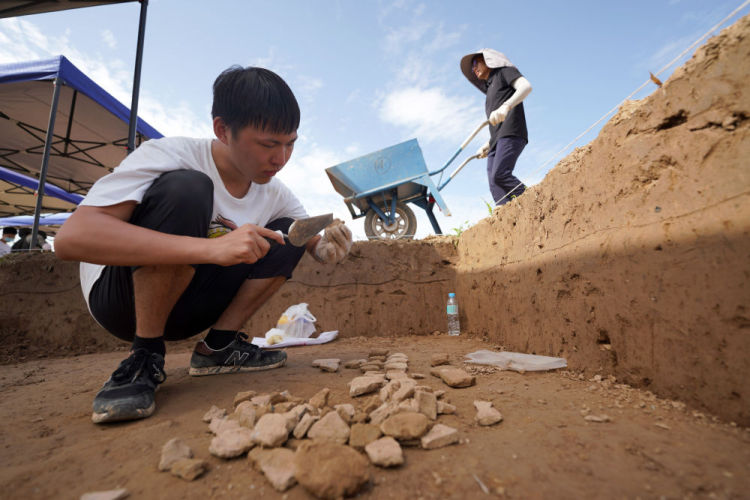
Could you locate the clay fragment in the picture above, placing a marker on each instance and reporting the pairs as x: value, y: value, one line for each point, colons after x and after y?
x: 327, y: 365
x: 214, y: 411
x: 454, y: 377
x: 173, y: 450
x: 385, y: 452
x: 344, y: 474
x: 189, y: 469
x: 486, y: 414
x: 330, y: 428
x: 440, y: 435
x: 439, y: 359
x: 405, y: 426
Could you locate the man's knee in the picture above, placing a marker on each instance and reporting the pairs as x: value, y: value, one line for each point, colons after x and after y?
x: 178, y: 202
x: 184, y: 188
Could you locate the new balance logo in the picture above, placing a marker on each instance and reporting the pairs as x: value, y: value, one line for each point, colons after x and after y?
x: 237, y: 358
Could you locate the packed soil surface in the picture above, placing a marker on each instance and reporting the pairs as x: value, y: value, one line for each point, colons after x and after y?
x: 544, y: 447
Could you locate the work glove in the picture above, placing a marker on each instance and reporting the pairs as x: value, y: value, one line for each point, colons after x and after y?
x: 498, y: 116
x: 484, y: 150
x: 335, y: 244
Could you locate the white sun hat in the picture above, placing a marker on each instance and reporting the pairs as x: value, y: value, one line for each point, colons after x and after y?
x: 492, y: 58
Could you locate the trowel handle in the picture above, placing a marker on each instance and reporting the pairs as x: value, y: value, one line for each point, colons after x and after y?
x: 473, y: 134
x: 274, y: 242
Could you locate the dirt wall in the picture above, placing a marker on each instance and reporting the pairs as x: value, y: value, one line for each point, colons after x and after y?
x: 633, y: 255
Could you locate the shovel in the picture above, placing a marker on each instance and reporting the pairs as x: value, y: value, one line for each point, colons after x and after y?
x: 302, y: 230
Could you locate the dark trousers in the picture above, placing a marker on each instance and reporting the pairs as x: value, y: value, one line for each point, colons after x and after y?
x: 181, y: 202
x: 500, y: 164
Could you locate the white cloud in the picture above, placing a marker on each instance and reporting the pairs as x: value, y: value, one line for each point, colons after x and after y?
x: 109, y: 38
x: 430, y: 113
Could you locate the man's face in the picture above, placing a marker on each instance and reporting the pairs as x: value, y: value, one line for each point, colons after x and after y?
x: 7, y: 237
x: 479, y: 68
x: 259, y: 155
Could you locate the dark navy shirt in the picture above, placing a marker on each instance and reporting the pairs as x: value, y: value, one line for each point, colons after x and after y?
x: 498, y: 91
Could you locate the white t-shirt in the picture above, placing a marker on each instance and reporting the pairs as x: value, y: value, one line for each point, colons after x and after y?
x: 130, y: 180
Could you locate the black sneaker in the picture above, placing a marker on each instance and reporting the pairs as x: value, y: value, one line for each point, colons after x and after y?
x: 129, y: 392
x: 239, y: 356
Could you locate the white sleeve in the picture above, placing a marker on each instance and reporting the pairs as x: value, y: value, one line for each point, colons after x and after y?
x: 130, y: 180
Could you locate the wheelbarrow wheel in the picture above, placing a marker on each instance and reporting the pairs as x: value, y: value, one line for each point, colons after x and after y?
x: 404, y: 224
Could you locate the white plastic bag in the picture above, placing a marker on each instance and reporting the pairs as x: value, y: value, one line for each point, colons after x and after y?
x: 297, y: 322
x: 516, y: 361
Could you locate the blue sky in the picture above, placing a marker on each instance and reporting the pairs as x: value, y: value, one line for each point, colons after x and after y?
x: 371, y: 74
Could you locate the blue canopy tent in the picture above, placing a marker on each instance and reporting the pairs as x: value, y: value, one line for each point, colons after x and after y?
x: 15, y: 8
x: 92, y: 140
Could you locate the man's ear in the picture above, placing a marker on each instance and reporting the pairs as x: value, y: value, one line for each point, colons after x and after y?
x: 221, y: 130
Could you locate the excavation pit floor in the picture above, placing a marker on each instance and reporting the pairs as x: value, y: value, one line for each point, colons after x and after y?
x: 544, y: 447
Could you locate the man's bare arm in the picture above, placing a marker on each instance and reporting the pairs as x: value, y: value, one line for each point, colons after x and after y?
x: 102, y: 235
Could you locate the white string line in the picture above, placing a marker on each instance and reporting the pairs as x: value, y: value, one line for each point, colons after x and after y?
x: 670, y: 63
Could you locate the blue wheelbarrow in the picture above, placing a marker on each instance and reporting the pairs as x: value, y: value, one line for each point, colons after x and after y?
x: 379, y: 185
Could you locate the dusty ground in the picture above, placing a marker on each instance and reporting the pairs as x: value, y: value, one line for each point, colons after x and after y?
x: 544, y: 448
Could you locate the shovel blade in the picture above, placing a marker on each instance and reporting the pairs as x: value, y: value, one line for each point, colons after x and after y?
x: 302, y: 230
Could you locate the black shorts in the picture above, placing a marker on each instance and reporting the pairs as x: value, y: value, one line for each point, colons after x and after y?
x: 212, y: 288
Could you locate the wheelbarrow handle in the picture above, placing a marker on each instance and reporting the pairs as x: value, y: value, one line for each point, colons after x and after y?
x: 455, y: 172
x: 461, y: 148
x: 473, y: 134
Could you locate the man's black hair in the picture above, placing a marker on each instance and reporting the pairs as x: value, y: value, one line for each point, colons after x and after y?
x: 257, y: 97
x: 10, y: 230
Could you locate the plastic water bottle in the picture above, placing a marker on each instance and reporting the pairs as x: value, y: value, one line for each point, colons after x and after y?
x: 454, y: 327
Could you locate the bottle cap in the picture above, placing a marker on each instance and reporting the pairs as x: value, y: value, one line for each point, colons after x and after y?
x: 451, y: 294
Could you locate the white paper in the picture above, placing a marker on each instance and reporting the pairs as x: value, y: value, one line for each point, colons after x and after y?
x: 516, y: 361
x: 293, y: 341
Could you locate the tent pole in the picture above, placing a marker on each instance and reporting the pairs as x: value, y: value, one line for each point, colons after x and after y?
x: 45, y: 160
x: 137, y: 77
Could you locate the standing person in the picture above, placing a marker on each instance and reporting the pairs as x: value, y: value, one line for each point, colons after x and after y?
x: 9, y: 234
x: 492, y: 73
x: 177, y: 240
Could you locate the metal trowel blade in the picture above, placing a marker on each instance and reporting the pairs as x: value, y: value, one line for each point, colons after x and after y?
x: 302, y: 230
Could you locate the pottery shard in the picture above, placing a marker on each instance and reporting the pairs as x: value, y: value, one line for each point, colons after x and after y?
x: 245, y: 413
x: 109, y: 494
x: 278, y: 467
x: 385, y: 452
x: 395, y: 365
x: 408, y: 405
x: 328, y: 364
x: 346, y: 412
x: 220, y: 424
x: 173, y: 450
x: 284, y: 407
x: 188, y: 468
x: 363, y: 434
x: 387, y: 391
x: 329, y: 470
x: 354, y: 363
x: 396, y: 375
x: 486, y: 414
x: 439, y: 359
x: 440, y: 435
x: 405, y: 426
x: 304, y: 425
x: 454, y: 377
x: 444, y: 408
x: 330, y: 428
x: 378, y: 352
x: 271, y: 430
x: 215, y: 411
x: 365, y: 385
x: 427, y: 404
x: 232, y: 443
x: 382, y: 412
x: 244, y: 396
x: 406, y: 390
x: 320, y: 399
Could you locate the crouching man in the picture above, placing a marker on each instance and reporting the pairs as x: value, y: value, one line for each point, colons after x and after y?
x: 178, y: 240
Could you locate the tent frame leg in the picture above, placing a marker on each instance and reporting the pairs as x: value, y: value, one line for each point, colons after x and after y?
x: 137, y: 77
x: 45, y: 160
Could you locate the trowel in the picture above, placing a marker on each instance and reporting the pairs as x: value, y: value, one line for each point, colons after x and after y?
x: 302, y: 230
